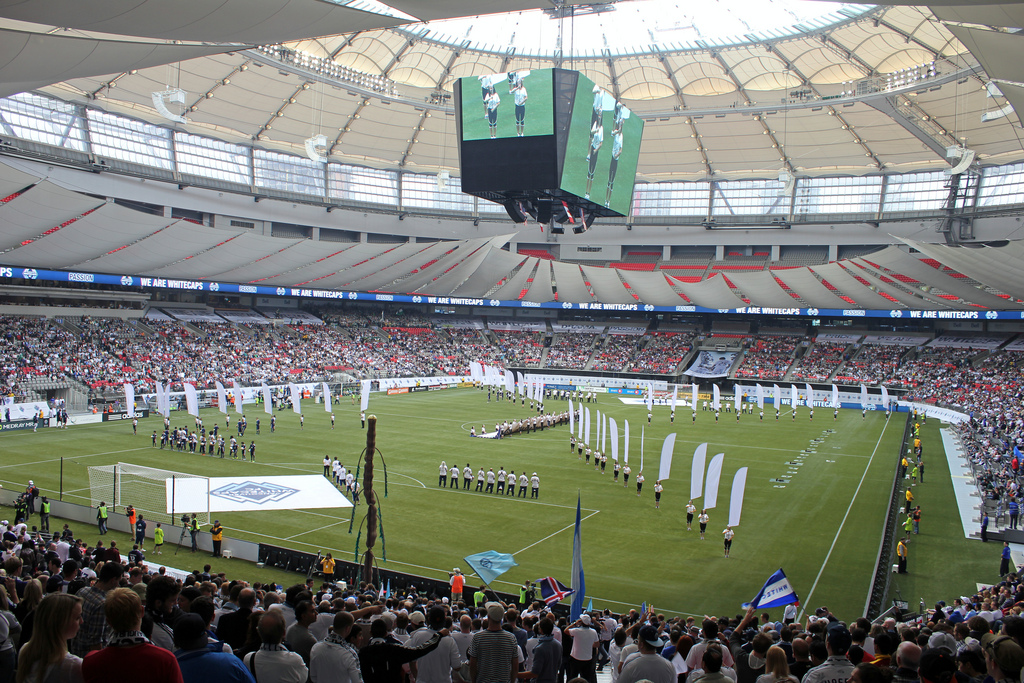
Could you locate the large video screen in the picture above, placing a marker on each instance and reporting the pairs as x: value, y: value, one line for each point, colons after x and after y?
x: 602, y: 149
x: 508, y: 105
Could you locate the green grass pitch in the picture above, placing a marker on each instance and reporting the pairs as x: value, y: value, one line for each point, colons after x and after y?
x: 823, y: 526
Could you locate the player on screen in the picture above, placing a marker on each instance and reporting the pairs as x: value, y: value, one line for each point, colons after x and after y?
x: 597, y: 115
x: 596, y: 140
x: 492, y: 102
x: 518, y: 92
x: 616, y: 151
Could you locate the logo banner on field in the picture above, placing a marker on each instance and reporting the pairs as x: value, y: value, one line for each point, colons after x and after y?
x: 693, y: 397
x: 245, y: 494
x: 809, y: 395
x: 776, y: 397
x: 586, y: 428
x: 794, y: 396
x: 572, y: 418
x: 222, y: 398
x: 625, y: 442
x: 675, y: 397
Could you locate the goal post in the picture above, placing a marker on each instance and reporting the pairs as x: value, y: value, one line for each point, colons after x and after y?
x: 159, y: 495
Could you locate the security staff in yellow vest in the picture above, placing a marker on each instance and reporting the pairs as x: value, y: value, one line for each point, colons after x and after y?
x: 216, y: 534
x: 101, y: 517
x: 44, y: 514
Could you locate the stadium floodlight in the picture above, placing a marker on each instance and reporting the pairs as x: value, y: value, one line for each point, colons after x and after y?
x: 316, y: 148
x: 960, y: 157
x: 162, y: 97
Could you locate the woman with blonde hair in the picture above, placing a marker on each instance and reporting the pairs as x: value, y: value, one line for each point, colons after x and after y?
x: 25, y: 611
x: 776, y: 669
x: 45, y: 658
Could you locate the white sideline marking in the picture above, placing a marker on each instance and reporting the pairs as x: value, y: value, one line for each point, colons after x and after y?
x: 303, y: 533
x: 840, y: 530
x: 571, y: 526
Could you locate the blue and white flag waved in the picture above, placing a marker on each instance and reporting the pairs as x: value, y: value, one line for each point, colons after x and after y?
x: 490, y: 564
x: 776, y: 592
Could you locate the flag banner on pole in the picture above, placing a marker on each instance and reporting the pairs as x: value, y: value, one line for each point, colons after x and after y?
x: 716, y: 398
x: 510, y: 381
x: 625, y: 442
x: 863, y: 396
x: 572, y: 418
x: 191, y: 399
x: 760, y: 397
x: 738, y: 401
x: 739, y: 484
x: 650, y: 398
x: 794, y: 396
x: 552, y: 591
x: 714, y: 476
x: 327, y: 397
x: 579, y: 425
x: 693, y: 394
x: 597, y: 441
x: 579, y: 585
x: 364, y: 394
x: 475, y: 371
x: 237, y: 390
x: 590, y: 604
x: 615, y: 438
x: 675, y: 397
x: 775, y: 592
x: 296, y: 398
x: 164, y: 399
x: 159, y: 389
x: 222, y: 398
x: 604, y: 434
x: 643, y: 608
x: 586, y: 429
x: 809, y: 396
x: 835, y: 396
x: 490, y: 564
x: 642, y: 427
x: 1016, y: 453
x: 885, y: 398
x: 129, y: 399
x: 268, y: 403
x: 700, y: 454
x: 666, y: 457
x: 776, y: 396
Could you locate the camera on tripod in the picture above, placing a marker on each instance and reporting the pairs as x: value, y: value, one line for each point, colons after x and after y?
x: 185, y: 520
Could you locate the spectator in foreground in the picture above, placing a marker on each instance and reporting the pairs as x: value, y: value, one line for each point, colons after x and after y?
x: 45, y: 656
x: 273, y: 662
x: 335, y: 660
x: 201, y: 664
x: 648, y: 665
x: 128, y: 652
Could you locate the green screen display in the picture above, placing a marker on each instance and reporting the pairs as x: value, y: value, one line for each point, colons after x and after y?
x: 507, y: 105
x: 603, y: 148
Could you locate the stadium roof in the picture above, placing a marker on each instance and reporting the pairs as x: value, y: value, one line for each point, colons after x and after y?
x: 48, y: 226
x: 729, y: 90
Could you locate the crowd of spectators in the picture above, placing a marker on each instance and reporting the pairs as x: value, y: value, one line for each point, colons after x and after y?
x: 617, y: 352
x: 873, y: 364
x: 768, y: 357
x: 662, y: 354
x: 519, y: 349
x: 570, y: 350
x: 818, y: 364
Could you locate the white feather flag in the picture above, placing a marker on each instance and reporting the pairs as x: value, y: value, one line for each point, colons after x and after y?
x: 693, y: 393
x: 364, y: 395
x: 625, y: 443
x: 777, y: 397
x: 794, y: 396
x: 572, y: 418
x: 716, y: 398
x: 697, y: 471
x: 615, y: 439
x: 863, y: 396
x: 714, y: 476
x: 642, y: 448
x: 809, y: 398
x: 238, y: 395
x: 665, y: 467
x: 739, y: 483
x: 586, y: 428
x: 268, y: 404
x: 296, y: 398
x: 222, y: 398
x: 327, y: 397
x: 191, y: 399
x: 738, y: 401
x: 760, y: 397
x: 675, y: 397
x: 129, y: 399
x: 835, y: 396
x: 885, y: 398
x: 604, y: 434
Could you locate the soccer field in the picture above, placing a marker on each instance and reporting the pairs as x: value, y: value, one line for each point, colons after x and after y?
x: 822, y: 526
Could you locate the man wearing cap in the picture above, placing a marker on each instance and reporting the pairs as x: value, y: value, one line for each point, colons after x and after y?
x: 197, y: 661
x: 1003, y: 657
x: 837, y: 668
x: 584, y: 648
x: 648, y: 665
x: 494, y: 653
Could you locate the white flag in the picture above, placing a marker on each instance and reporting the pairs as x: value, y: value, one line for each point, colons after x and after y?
x: 364, y: 395
x: 296, y: 398
x: 739, y: 483
x: 777, y: 397
x: 238, y: 395
x: 760, y: 397
x: 835, y: 396
x: 586, y: 428
x: 268, y: 403
x: 129, y: 399
x: 597, y: 442
x: 191, y: 399
x: 794, y: 396
x: 675, y: 397
x: 510, y: 381
x: 885, y: 398
x: 162, y: 401
x: 714, y: 476
x: 615, y: 439
x: 693, y: 400
x: 642, y: 448
x: 579, y: 425
x: 716, y: 398
x: 650, y: 398
x: 697, y: 471
x: 222, y: 398
x: 625, y: 443
x: 738, y: 404
x: 572, y: 418
x: 863, y: 396
x: 604, y: 435
x: 665, y: 467
x: 327, y: 397
x: 809, y: 399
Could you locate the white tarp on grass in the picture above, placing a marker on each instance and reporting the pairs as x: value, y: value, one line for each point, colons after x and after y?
x: 247, y: 494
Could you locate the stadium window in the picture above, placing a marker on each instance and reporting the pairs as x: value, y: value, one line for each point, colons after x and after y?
x: 288, y: 173
x: 1002, y: 185
x: 367, y: 185
x: 749, y: 198
x: 915, y: 192
x: 671, y: 199
x: 838, y: 195
x: 420, y: 191
x: 44, y: 120
x: 124, y: 139
x: 209, y: 158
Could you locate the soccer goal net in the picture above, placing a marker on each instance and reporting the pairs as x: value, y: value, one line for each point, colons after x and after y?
x: 160, y: 495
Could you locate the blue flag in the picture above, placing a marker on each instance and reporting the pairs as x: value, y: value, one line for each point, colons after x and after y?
x: 490, y: 564
x: 775, y: 592
x: 579, y: 586
x: 1017, y: 454
x: 643, y: 608
x: 590, y: 605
